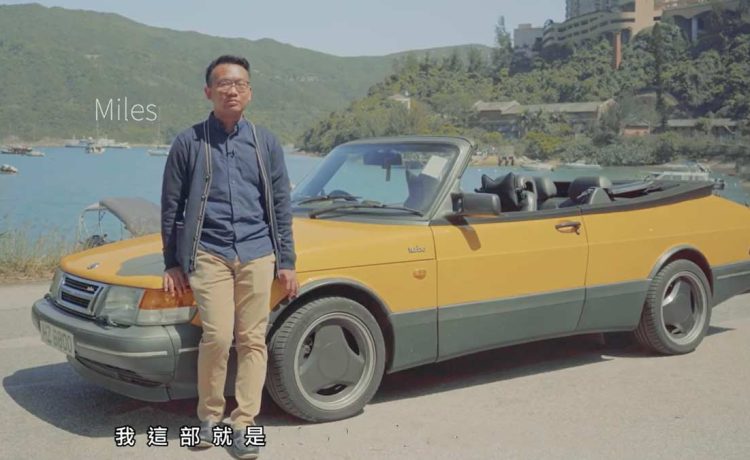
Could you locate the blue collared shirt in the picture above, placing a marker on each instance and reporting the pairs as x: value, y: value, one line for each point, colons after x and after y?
x: 235, y: 224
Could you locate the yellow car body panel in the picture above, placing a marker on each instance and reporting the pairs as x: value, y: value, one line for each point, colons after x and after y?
x: 626, y: 246
x: 396, y: 261
x: 498, y: 260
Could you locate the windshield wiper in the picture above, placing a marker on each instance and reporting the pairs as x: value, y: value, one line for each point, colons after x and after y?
x: 328, y: 197
x: 363, y: 205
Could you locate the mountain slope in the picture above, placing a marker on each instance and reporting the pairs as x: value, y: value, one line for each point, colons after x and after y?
x: 55, y: 63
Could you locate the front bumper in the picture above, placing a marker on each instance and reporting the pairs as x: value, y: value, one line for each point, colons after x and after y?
x: 151, y: 363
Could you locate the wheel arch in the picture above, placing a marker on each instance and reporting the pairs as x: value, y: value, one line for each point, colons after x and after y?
x: 686, y: 252
x: 339, y: 287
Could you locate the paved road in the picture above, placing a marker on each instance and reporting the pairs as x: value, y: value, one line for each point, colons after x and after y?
x: 568, y: 399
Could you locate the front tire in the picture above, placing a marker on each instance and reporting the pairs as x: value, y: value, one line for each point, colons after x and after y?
x: 326, y: 360
x: 677, y: 311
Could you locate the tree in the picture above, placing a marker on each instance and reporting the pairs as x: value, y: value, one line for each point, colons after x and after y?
x: 502, y: 53
x: 476, y: 64
x: 658, y: 51
x: 453, y: 62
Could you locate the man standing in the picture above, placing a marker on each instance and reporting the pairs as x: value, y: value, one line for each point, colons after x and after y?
x: 227, y: 233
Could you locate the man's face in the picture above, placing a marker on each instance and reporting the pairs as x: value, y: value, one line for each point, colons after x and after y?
x: 228, y: 90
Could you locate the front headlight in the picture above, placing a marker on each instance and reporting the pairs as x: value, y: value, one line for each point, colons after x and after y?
x: 54, y: 289
x: 146, y: 307
x: 120, y: 304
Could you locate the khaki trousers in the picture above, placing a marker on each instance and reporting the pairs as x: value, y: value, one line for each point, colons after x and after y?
x: 232, y: 298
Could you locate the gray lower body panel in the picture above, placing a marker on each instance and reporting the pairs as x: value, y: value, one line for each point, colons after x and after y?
x: 415, y: 339
x: 613, y: 307
x: 474, y: 327
x: 730, y: 280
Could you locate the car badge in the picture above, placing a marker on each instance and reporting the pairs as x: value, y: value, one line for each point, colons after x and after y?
x: 92, y: 266
x: 416, y: 250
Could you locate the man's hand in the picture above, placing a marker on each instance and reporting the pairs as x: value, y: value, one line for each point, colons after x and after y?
x: 175, y: 281
x: 288, y: 279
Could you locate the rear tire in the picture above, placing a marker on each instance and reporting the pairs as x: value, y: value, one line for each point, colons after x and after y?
x: 677, y: 311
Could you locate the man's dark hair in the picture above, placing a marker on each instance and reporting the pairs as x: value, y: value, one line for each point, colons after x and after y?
x: 226, y: 59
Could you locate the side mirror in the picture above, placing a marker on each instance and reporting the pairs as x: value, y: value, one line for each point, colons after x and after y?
x: 475, y: 204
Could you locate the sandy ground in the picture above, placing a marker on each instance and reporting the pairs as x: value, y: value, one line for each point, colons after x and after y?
x: 561, y: 399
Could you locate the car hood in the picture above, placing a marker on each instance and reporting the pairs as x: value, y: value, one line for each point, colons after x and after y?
x: 320, y: 245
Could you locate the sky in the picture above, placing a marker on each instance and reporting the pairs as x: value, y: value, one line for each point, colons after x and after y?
x: 339, y: 27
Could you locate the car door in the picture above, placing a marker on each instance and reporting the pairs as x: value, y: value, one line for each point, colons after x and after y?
x: 508, y: 279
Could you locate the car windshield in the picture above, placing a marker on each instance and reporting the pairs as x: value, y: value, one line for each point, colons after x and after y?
x: 405, y: 175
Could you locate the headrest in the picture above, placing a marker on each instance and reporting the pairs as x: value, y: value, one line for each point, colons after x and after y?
x: 421, y: 189
x: 504, y: 187
x: 545, y: 188
x: 581, y: 184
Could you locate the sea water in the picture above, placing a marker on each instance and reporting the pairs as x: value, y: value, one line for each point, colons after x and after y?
x: 49, y: 193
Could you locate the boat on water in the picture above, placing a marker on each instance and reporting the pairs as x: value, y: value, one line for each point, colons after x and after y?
x: 158, y: 152
x: 108, y: 143
x: 580, y: 164
x: 686, y: 166
x: 8, y: 169
x: 95, y: 149
x: 16, y: 150
x: 22, y: 150
x: 537, y: 166
x: 680, y: 175
x: 76, y: 143
x: 691, y: 171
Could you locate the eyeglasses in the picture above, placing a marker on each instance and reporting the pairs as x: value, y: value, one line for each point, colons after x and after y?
x: 225, y: 85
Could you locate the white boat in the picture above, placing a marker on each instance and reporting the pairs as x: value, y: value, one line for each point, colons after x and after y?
x: 580, y: 164
x: 34, y: 153
x: 16, y: 150
x: 8, y: 169
x: 75, y: 143
x: 686, y: 172
x: 95, y: 149
x: 158, y: 152
x: 680, y: 175
x: 537, y: 166
x: 686, y: 166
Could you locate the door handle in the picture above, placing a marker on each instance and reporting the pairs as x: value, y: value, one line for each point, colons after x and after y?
x: 570, y: 224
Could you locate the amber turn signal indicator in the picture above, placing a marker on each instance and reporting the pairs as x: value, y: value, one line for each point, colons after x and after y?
x: 156, y: 299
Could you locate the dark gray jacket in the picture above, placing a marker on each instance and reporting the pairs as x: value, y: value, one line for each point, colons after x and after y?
x: 187, y: 178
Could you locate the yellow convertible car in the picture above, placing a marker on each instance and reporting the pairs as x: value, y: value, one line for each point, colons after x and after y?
x: 400, y: 267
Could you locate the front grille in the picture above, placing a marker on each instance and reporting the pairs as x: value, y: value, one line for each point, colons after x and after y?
x: 79, y: 285
x: 78, y: 295
x: 83, y: 303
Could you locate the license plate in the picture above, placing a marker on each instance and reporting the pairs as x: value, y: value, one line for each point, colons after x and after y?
x: 57, y: 338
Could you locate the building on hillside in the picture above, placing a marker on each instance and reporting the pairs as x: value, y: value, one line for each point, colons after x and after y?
x: 620, y: 20
x: 636, y: 130
x: 719, y: 127
x: 525, y: 37
x: 404, y: 99
x: 508, y: 117
x: 692, y: 15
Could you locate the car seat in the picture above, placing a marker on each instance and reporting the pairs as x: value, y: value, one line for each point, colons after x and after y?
x: 516, y: 193
x: 588, y: 190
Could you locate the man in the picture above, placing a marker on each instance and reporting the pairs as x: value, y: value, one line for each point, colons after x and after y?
x: 226, y: 230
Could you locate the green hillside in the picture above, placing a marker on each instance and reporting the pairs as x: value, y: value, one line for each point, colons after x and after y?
x: 54, y: 64
x: 704, y: 80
